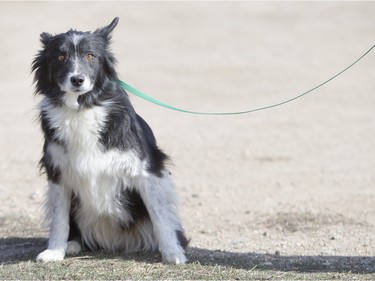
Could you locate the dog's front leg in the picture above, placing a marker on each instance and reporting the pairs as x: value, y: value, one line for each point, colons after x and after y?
x: 159, y: 197
x: 57, y: 214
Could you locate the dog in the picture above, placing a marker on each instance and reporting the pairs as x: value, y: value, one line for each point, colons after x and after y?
x: 108, y: 186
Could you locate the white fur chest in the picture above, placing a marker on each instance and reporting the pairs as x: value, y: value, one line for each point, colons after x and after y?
x: 78, y: 129
x: 95, y: 174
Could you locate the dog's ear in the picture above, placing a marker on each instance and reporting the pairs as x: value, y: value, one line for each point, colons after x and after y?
x: 44, y: 37
x: 105, y: 32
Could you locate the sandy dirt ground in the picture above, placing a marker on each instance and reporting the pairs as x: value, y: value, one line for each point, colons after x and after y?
x: 294, y: 180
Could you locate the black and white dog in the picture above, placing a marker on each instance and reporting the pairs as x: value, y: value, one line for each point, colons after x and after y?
x: 108, y: 187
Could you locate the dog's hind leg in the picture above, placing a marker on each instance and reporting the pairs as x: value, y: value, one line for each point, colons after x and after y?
x: 73, y: 248
x: 160, y: 200
x: 57, y: 208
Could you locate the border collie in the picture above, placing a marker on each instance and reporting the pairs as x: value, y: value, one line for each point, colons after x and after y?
x: 108, y: 187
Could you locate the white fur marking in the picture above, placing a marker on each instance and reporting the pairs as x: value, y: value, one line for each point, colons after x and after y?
x: 71, y: 100
x: 51, y: 255
x: 76, y: 38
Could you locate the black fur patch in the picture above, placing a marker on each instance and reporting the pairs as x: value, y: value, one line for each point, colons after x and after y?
x: 46, y: 164
x: 157, y: 157
x: 133, y: 203
x: 184, y: 242
x: 74, y: 232
x: 121, y: 130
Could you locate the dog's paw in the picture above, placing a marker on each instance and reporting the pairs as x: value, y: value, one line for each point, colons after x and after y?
x: 73, y: 248
x: 51, y: 255
x: 177, y: 257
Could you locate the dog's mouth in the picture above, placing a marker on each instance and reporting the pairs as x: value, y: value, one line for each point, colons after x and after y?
x: 79, y: 91
x: 75, y: 90
x: 72, y: 90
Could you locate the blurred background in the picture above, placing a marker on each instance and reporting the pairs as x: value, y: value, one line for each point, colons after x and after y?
x: 289, y: 178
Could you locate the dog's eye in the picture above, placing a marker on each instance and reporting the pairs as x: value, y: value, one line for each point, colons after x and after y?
x: 90, y: 56
x: 61, y: 58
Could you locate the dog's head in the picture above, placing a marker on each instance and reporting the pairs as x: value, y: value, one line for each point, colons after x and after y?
x: 74, y: 63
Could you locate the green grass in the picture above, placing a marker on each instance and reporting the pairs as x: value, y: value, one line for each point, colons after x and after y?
x: 204, y: 264
x: 22, y: 241
x: 100, y: 268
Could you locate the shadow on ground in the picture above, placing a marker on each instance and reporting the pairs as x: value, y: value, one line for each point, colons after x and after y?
x: 14, y: 250
x: 353, y: 264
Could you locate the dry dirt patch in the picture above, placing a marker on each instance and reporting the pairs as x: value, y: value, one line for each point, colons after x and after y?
x: 306, y: 222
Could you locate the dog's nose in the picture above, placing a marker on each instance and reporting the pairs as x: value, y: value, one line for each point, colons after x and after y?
x: 77, y: 81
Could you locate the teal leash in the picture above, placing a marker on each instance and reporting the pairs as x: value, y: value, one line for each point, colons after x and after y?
x: 142, y: 95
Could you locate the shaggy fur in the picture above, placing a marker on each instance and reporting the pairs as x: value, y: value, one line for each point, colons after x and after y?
x: 108, y: 185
